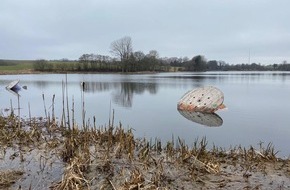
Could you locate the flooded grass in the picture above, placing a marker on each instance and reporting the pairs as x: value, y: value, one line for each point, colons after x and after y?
x: 43, y: 154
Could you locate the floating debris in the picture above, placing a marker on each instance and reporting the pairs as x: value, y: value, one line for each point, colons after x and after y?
x: 205, y: 99
x: 13, y: 87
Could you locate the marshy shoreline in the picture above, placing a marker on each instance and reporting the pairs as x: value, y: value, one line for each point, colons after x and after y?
x: 45, y: 153
x: 42, y: 153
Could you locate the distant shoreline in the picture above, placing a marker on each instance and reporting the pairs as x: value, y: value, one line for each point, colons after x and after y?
x: 30, y: 71
x: 18, y: 72
x: 23, y: 72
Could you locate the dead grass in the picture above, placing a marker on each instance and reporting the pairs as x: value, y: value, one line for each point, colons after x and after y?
x: 7, y: 178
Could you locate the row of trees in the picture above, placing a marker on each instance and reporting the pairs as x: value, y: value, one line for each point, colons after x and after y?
x: 142, y: 62
x: 127, y: 60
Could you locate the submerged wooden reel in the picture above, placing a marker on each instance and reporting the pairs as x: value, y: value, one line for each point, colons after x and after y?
x: 205, y: 99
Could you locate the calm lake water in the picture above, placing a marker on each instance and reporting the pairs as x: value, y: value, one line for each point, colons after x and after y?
x: 257, y: 104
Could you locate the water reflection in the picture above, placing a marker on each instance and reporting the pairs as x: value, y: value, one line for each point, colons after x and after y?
x: 123, y: 92
x: 207, y: 119
x: 93, y: 87
x: 190, y: 76
x: 194, y: 77
x: 41, y: 84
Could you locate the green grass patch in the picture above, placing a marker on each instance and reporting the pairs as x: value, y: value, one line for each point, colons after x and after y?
x: 15, y: 65
x: 18, y: 66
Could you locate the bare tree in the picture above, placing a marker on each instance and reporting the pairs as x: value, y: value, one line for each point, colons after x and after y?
x: 122, y: 48
x: 139, y: 55
x: 153, y: 54
x: 153, y: 57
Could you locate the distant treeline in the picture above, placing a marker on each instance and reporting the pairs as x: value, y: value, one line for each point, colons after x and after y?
x: 106, y: 64
x: 100, y: 63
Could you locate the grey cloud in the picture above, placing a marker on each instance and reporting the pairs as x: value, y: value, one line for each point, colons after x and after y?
x: 222, y: 30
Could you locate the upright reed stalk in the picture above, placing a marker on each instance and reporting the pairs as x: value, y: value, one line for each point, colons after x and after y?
x: 67, y: 106
x: 63, y: 107
x: 53, y: 114
x: 11, y: 108
x: 73, y: 112
x: 110, y: 115
x: 113, y: 118
x: 19, y: 119
x: 45, y: 111
x: 83, y: 102
x: 29, y: 114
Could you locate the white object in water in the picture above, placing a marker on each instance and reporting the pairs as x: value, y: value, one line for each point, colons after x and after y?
x: 13, y: 87
x: 205, y: 99
x: 13, y: 84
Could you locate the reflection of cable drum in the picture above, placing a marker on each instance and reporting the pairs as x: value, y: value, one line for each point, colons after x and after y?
x: 206, y: 99
x: 208, y: 119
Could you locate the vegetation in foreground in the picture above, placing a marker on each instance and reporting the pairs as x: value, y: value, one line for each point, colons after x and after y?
x: 42, y: 154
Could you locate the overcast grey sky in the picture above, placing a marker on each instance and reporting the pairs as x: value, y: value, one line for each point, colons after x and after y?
x: 218, y: 29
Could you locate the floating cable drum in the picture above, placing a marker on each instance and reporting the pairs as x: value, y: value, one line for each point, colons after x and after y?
x: 205, y: 99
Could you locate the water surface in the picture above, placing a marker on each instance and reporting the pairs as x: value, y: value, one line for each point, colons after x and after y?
x: 257, y: 104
